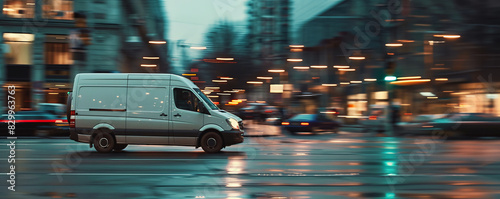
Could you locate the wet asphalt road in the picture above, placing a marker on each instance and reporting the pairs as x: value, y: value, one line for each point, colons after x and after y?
x: 345, y: 165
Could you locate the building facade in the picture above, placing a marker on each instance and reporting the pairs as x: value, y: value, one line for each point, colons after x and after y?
x: 36, y: 40
x: 269, y: 32
x: 443, y: 53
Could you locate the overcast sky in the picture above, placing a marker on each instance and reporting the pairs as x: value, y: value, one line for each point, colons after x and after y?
x: 190, y: 19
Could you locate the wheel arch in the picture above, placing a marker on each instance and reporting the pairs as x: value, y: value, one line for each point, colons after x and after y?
x: 102, y: 127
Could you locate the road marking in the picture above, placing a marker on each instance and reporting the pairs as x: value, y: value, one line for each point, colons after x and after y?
x: 37, y: 159
x: 16, y: 150
x: 168, y: 159
x: 120, y: 174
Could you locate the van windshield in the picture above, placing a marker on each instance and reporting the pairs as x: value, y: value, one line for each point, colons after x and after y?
x: 206, y: 99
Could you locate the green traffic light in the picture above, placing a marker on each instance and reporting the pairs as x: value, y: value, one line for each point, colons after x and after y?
x: 390, y: 78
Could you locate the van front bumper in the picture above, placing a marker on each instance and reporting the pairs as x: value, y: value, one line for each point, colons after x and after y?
x: 232, y: 137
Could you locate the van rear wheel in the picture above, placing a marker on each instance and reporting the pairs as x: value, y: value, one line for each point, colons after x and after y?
x: 211, y: 142
x: 104, y: 142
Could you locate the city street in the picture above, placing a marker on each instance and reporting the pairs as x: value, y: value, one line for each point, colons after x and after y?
x: 344, y: 165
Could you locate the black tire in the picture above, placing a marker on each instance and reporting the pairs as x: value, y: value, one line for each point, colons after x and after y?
x: 104, y: 142
x: 211, y: 142
x: 120, y: 147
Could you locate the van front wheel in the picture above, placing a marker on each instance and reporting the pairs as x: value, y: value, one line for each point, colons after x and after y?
x: 211, y: 142
x: 120, y: 147
x: 104, y: 142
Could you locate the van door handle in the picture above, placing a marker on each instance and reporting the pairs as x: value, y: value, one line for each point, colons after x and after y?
x: 177, y: 115
x: 163, y: 114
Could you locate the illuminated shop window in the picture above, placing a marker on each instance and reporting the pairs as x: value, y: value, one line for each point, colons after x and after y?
x: 58, y: 9
x: 19, y: 8
x: 19, y: 48
x: 57, y: 50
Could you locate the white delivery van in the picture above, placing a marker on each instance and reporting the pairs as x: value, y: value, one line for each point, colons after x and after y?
x: 111, y: 111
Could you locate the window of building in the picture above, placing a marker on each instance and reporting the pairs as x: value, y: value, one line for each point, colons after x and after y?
x: 18, y: 48
x: 58, y: 9
x: 57, y: 50
x: 19, y: 8
x: 186, y: 100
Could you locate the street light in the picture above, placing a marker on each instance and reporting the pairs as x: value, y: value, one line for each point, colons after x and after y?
x: 296, y: 46
x: 319, y: 67
x: 294, y: 60
x: 357, y: 58
x: 301, y: 67
x: 198, y: 47
x: 266, y: 78
x: 394, y: 45
x: 225, y: 59
x: 157, y: 42
x: 254, y: 82
x: 448, y: 36
x: 276, y: 71
x: 151, y: 58
x: 148, y: 65
x: 344, y: 67
x: 410, y: 77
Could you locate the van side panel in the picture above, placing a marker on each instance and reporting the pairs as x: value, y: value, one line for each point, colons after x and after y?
x: 147, y: 109
x: 100, y: 103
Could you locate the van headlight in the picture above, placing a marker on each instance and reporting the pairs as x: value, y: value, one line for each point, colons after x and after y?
x: 233, y: 123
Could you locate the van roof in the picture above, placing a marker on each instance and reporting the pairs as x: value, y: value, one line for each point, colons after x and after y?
x: 108, y: 76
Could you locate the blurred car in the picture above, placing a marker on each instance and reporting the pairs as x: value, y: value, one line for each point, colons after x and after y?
x: 258, y: 111
x: 37, y: 122
x: 415, y: 126
x: 310, y: 123
x: 53, y: 108
x: 464, y: 124
x: 274, y: 120
x: 377, y: 118
x: 251, y: 111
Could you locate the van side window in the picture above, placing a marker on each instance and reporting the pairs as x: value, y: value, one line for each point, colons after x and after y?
x: 93, y: 97
x: 147, y: 99
x: 186, y: 100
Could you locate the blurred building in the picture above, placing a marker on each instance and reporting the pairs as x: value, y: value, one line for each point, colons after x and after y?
x: 443, y: 53
x: 35, y: 41
x: 268, y: 40
x: 269, y: 32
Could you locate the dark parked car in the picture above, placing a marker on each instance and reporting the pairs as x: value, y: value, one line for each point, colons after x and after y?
x: 258, y: 111
x: 310, y: 123
x: 415, y: 126
x: 464, y: 124
x: 37, y: 122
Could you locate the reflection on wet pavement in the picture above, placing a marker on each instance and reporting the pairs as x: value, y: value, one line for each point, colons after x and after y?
x: 324, y: 166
